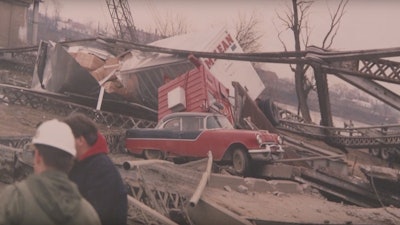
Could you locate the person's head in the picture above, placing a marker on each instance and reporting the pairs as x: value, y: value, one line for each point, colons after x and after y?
x: 85, y: 131
x: 54, y: 146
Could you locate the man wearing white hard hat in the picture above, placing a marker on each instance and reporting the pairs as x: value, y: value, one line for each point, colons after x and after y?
x: 48, y: 196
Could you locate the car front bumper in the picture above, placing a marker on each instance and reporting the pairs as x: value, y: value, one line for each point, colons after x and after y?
x: 270, y: 152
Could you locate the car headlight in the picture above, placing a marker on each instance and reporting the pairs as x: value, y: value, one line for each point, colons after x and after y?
x: 259, y: 139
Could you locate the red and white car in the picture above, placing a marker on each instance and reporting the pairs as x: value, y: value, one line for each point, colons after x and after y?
x: 193, y: 134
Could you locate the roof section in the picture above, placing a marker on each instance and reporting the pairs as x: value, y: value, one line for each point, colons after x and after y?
x: 219, y: 40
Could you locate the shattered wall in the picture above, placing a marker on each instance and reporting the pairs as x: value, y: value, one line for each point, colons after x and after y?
x: 14, y: 23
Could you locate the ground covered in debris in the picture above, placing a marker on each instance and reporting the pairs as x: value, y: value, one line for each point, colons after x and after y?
x: 301, y: 205
x: 256, y: 199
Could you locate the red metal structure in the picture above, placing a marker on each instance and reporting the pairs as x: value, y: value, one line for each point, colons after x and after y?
x: 195, y: 91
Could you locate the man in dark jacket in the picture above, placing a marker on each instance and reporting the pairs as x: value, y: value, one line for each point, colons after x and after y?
x: 95, y: 174
x: 48, y: 197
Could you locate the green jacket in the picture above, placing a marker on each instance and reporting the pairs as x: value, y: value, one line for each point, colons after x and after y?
x: 47, y: 198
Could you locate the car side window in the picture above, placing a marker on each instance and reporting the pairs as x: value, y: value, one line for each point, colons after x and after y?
x: 172, y: 124
x: 218, y: 122
x: 192, y: 123
x: 200, y: 121
x: 211, y: 123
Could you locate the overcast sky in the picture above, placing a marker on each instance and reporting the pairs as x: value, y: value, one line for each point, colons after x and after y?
x: 367, y: 24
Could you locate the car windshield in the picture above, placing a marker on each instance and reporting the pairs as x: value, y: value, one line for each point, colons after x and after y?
x: 218, y: 122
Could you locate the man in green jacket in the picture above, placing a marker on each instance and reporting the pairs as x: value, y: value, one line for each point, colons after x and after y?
x: 48, y: 196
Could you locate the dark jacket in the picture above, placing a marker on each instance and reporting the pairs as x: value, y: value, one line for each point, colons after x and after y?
x: 47, y: 198
x: 101, y: 184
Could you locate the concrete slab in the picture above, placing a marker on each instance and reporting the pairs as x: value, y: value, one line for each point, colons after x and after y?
x: 220, y: 180
x: 286, y: 186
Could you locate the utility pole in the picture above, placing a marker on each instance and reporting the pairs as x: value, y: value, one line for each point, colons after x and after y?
x: 35, y: 22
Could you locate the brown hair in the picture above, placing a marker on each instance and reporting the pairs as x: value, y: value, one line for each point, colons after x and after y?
x: 55, y: 158
x: 82, y: 125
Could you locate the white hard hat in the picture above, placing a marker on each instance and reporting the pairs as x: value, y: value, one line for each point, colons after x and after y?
x: 56, y: 134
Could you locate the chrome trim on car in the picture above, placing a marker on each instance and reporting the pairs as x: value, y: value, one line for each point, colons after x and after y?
x: 266, y: 149
x: 267, y: 153
x: 259, y: 139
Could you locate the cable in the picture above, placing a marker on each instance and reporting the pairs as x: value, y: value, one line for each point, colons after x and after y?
x: 379, y: 199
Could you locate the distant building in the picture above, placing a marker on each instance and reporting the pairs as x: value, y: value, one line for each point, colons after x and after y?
x: 14, y: 23
x: 75, y: 26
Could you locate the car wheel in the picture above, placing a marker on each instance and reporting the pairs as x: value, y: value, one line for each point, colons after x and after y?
x: 153, y: 154
x: 240, y: 161
x: 385, y: 153
x: 374, y: 151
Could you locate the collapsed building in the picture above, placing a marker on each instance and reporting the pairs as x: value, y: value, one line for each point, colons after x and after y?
x: 100, y: 70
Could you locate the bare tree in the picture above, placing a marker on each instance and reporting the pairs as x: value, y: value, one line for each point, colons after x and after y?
x: 296, y: 19
x: 247, y: 32
x: 171, y: 25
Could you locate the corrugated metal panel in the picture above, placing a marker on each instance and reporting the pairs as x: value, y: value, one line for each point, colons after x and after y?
x: 200, y: 88
x: 193, y: 83
x: 62, y: 73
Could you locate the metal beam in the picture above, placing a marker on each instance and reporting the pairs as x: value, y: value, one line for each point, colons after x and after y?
x: 373, y: 88
x: 207, y: 212
x: 203, y: 182
x: 323, y: 97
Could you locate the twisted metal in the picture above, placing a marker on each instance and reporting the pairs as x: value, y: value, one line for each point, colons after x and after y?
x: 19, y: 59
x: 116, y: 122
x: 21, y: 96
x: 355, y: 137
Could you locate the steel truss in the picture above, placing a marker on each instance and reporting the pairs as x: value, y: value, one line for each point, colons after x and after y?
x: 19, y: 59
x: 122, y: 19
x: 361, y: 137
x: 24, y: 97
x: 164, y: 201
x: 367, y: 64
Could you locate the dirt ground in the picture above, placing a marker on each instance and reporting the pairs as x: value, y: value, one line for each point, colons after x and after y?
x: 18, y: 120
x: 308, y: 208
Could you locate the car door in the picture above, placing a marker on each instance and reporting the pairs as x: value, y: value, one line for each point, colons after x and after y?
x: 191, y: 128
